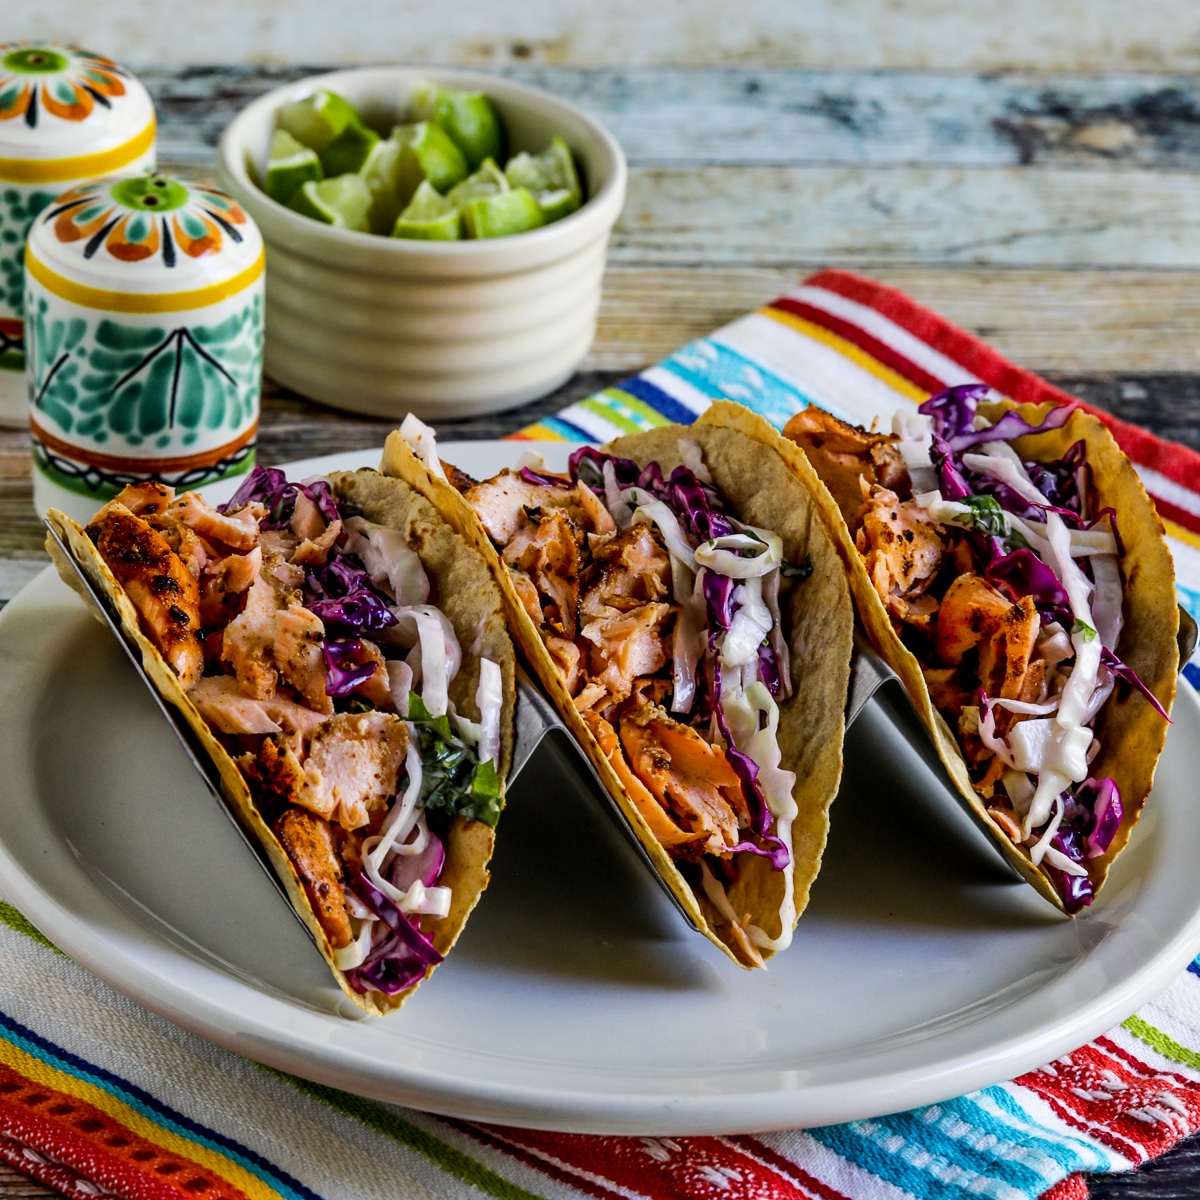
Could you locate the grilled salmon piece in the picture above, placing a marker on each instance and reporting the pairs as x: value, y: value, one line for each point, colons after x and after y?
x: 162, y: 589
x: 903, y: 551
x: 227, y: 708
x: 502, y: 502
x: 308, y: 842
x: 546, y: 548
x: 238, y: 531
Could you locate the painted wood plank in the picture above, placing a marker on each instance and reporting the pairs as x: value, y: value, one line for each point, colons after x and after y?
x: 748, y: 115
x: 1077, y: 35
x: 876, y: 219
x: 1081, y: 320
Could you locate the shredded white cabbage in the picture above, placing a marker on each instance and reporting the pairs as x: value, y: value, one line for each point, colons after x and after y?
x: 489, y: 697
x: 438, y: 657
x: 423, y: 440
x: 915, y: 431
x: 720, y: 554
x: 750, y: 627
x: 654, y: 512
x: 389, y: 560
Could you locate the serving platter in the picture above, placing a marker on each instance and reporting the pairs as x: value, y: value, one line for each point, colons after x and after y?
x: 577, y: 999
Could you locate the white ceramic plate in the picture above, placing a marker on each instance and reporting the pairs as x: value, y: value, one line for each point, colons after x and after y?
x: 577, y: 999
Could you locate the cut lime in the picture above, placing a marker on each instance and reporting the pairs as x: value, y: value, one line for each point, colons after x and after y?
x: 290, y: 165
x: 472, y: 121
x: 550, y: 176
x: 343, y: 201
x: 500, y: 215
x: 489, y: 180
x: 349, y: 151
x: 427, y: 153
x: 430, y: 217
x: 317, y: 119
x: 382, y: 173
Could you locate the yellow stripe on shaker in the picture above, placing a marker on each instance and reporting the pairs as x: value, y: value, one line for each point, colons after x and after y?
x: 134, y: 302
x: 83, y: 166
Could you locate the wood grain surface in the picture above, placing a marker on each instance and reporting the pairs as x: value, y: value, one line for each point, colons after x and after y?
x: 1035, y: 178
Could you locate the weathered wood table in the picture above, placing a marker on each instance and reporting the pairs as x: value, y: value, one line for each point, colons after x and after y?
x: 1057, y: 215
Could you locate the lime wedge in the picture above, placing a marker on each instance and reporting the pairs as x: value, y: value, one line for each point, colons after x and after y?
x: 427, y: 153
x: 382, y: 173
x: 343, y: 201
x: 502, y: 214
x: 429, y: 216
x: 472, y: 121
x: 291, y: 164
x: 317, y: 119
x: 489, y: 180
x: 550, y: 176
x: 349, y: 151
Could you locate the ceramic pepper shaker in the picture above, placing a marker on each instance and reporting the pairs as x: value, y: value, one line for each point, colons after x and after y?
x: 66, y: 116
x: 144, y: 312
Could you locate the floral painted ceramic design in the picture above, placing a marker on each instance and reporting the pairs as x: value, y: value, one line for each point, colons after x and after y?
x: 62, y: 81
x: 144, y: 338
x: 138, y: 218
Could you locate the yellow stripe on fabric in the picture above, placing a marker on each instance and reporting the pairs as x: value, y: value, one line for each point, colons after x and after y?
x: 536, y: 432
x: 1183, y: 535
x: 83, y: 166
x: 1158, y: 1041
x: 848, y: 350
x: 610, y: 412
x: 133, y: 302
x: 43, y: 1073
x: 647, y: 412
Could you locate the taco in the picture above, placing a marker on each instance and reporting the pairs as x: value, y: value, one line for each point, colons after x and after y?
x: 681, y: 597
x: 341, y: 654
x: 1016, y: 576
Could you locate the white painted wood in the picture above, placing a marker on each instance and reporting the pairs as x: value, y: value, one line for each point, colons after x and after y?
x: 879, y: 218
x: 1095, y: 35
x: 15, y: 573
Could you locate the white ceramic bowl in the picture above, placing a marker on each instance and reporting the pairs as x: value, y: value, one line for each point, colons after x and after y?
x: 384, y: 325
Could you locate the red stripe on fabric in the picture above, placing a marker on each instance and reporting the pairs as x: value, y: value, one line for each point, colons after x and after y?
x: 1172, y: 512
x: 1100, y: 1134
x: 1106, y: 1043
x: 1074, y: 1187
x: 46, y: 1171
x: 785, y: 1165
x: 662, y: 1168
x: 857, y: 336
x: 1177, y: 462
x: 99, y: 1147
x: 1144, y: 1107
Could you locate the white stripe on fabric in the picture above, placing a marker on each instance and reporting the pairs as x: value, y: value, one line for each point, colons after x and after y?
x: 1187, y: 563
x: 1180, y: 1001
x: 832, y: 1169
x: 1046, y: 1119
x: 822, y: 373
x: 591, y: 423
x: 887, y: 331
x: 1158, y: 484
x: 678, y: 389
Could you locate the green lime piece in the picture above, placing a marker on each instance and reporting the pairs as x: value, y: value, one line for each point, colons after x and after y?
x: 489, y: 180
x: 429, y: 217
x: 503, y: 214
x: 382, y: 173
x: 317, y: 119
x: 291, y: 165
x: 471, y: 120
x: 343, y: 201
x: 347, y: 154
x: 427, y: 153
x: 550, y: 176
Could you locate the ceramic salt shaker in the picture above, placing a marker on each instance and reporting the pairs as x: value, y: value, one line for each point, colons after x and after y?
x: 144, y: 318
x: 66, y: 116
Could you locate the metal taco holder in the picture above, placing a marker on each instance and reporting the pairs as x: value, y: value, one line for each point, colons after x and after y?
x: 535, y: 721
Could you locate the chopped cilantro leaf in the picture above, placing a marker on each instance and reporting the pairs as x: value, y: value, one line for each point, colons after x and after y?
x: 1084, y: 628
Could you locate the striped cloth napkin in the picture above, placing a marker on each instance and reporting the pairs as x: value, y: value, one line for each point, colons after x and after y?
x: 99, y: 1097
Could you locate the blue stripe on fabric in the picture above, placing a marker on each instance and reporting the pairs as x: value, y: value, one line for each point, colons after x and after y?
x: 1062, y: 1149
x: 659, y: 400
x: 155, y: 1110
x: 566, y: 429
x: 1191, y: 673
x: 718, y: 371
x: 1194, y: 966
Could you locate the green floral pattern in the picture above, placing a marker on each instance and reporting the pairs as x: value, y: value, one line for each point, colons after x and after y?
x: 111, y: 385
x: 18, y: 208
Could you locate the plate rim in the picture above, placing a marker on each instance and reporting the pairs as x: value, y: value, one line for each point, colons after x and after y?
x: 215, y: 1017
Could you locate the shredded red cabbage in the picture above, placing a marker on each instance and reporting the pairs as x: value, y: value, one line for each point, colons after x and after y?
x: 952, y: 413
x: 1103, y: 798
x: 425, y: 866
x: 401, y: 959
x: 1118, y: 668
x: 341, y: 594
x: 270, y: 486
x: 541, y: 479
x: 1024, y: 574
x: 342, y: 678
x: 1076, y: 890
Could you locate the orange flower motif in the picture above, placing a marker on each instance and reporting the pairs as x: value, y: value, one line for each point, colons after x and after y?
x: 143, y: 216
x: 50, y: 78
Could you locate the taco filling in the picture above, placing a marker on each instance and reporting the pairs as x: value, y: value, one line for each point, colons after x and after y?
x: 1003, y: 577
x: 303, y: 635
x: 661, y: 612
